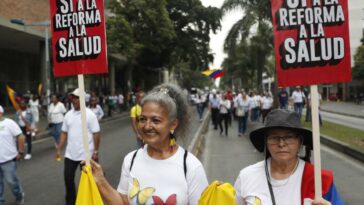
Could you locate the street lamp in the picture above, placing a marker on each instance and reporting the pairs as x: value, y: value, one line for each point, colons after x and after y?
x: 45, y: 24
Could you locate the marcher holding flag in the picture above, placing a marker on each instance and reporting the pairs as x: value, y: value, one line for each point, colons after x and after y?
x: 75, y: 153
x: 283, y: 178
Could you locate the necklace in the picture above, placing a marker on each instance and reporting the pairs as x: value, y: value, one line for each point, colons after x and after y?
x: 285, y: 180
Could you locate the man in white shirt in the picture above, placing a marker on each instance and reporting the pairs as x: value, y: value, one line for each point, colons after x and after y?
x: 121, y: 102
x: 299, y: 99
x: 72, y: 134
x: 56, y: 111
x: 11, y: 150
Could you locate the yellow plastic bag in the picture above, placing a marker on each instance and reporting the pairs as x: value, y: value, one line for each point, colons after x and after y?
x: 215, y: 194
x: 88, y: 193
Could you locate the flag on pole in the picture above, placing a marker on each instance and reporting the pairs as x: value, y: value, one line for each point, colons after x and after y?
x: 88, y: 193
x: 213, y: 73
x: 12, y: 96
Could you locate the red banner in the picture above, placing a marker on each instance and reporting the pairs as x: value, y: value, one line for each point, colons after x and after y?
x: 311, y: 40
x: 78, y: 37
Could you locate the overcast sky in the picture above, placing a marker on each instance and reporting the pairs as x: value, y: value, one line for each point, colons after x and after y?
x: 217, y: 40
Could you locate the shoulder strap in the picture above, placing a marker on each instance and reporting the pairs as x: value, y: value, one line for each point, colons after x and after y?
x: 185, y: 163
x: 132, y: 160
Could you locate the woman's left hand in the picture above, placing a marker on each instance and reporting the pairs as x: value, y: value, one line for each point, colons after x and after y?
x: 320, y: 201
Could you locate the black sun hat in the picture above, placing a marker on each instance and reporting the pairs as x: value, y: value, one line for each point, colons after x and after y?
x: 280, y: 118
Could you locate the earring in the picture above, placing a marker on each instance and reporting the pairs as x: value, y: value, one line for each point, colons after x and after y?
x: 172, y: 139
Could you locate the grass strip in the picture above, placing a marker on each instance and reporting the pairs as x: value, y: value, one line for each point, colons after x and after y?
x: 351, y: 136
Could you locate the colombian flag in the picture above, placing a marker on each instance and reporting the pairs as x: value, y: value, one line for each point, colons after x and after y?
x: 213, y: 73
x: 329, y: 191
x: 12, y: 96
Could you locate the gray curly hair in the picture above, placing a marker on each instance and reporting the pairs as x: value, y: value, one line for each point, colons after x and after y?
x: 174, y: 100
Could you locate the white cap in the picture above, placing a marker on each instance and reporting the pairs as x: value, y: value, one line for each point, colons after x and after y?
x: 76, y: 92
x: 1, y: 109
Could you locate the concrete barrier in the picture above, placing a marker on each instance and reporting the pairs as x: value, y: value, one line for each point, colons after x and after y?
x: 198, y: 139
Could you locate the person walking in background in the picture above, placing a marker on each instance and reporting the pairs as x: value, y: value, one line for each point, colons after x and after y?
x: 72, y: 134
x: 298, y: 97
x: 96, y: 108
x: 283, y: 178
x: 121, y: 102
x: 11, y: 151
x: 24, y: 118
x: 254, y: 107
x: 283, y: 98
x: 162, y: 172
x: 135, y: 113
x: 56, y: 111
x: 200, y: 100
x: 267, y: 104
x: 308, y: 110
x: 242, y: 112
x: 214, y: 104
x: 224, y: 115
x: 34, y: 108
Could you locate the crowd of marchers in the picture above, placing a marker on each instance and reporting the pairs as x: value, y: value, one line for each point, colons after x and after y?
x: 162, y: 172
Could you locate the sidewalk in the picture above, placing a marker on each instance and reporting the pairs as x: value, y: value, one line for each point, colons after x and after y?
x: 344, y: 108
x: 224, y: 156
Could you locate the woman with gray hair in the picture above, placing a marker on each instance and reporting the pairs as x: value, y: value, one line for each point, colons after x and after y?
x: 161, y: 172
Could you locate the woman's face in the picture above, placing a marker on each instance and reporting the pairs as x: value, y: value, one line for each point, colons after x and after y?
x: 155, y: 125
x: 283, y: 145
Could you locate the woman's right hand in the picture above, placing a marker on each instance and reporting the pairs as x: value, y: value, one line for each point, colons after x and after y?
x: 97, y: 171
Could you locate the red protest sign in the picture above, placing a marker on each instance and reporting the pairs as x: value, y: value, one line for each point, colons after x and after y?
x: 311, y: 39
x: 78, y: 37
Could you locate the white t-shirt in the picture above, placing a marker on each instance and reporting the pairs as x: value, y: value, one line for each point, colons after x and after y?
x: 267, y: 103
x: 56, y: 112
x: 251, y: 185
x: 298, y: 96
x: 8, y: 131
x: 98, y: 111
x: 121, y: 99
x: 225, y: 105
x: 166, y: 177
x: 72, y: 125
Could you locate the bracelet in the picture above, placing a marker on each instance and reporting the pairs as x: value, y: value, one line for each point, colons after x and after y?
x: 21, y: 153
x: 96, y: 152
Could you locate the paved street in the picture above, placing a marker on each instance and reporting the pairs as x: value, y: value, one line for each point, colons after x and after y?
x: 349, y: 121
x: 224, y: 157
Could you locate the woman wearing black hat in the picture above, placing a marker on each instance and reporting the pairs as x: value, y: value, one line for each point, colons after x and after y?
x: 283, y: 178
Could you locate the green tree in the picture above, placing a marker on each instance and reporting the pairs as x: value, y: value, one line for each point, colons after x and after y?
x: 141, y: 30
x: 256, y: 12
x: 358, y: 69
x: 193, y: 23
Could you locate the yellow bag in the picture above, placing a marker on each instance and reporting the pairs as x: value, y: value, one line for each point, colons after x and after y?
x: 88, y: 193
x: 215, y: 194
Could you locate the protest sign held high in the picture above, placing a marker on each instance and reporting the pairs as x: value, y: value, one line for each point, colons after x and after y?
x: 79, y: 40
x: 311, y: 41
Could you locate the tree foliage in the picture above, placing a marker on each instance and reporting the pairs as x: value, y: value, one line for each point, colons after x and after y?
x: 358, y: 70
x: 159, y: 34
x: 259, y: 41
